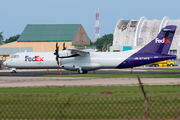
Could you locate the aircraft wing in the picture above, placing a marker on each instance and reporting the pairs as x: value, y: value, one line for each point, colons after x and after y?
x: 78, y: 52
x: 89, y: 50
x: 72, y: 53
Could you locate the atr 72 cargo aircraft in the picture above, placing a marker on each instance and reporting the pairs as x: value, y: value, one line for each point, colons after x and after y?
x: 84, y: 60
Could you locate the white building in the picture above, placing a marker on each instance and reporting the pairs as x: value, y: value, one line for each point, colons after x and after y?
x: 131, y: 34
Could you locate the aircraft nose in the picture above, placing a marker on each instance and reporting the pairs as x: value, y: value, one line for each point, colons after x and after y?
x: 5, y: 63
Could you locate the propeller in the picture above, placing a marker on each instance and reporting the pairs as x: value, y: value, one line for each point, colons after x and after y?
x: 57, y: 50
x: 56, y: 53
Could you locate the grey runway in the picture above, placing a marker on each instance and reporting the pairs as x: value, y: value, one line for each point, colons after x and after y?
x: 41, y: 72
x: 33, y: 78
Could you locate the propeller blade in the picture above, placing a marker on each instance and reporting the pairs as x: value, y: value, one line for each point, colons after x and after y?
x: 56, y: 44
x: 57, y: 49
x: 64, y: 47
x: 56, y: 53
x: 57, y: 60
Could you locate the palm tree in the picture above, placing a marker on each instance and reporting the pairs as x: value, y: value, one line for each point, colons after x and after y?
x: 1, y: 38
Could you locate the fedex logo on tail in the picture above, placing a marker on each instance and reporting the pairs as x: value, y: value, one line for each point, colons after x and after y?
x: 35, y: 58
x: 165, y: 40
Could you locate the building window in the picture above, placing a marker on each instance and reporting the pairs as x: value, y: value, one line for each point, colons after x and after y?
x: 116, y: 50
x: 173, y: 52
x: 78, y: 38
x: 84, y: 38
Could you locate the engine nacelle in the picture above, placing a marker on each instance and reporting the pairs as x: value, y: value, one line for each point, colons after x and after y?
x: 65, y: 53
x: 71, y: 67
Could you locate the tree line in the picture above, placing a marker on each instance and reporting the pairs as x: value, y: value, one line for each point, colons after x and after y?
x: 103, y: 43
x: 1, y: 38
x: 11, y: 39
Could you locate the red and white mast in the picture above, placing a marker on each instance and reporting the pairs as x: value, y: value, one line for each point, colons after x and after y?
x: 97, y: 34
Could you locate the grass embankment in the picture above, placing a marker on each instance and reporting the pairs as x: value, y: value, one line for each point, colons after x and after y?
x: 119, y: 75
x: 89, y: 89
x: 166, y: 70
x: 88, y: 102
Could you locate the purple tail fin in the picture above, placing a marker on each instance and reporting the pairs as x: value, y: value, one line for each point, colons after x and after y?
x: 161, y: 44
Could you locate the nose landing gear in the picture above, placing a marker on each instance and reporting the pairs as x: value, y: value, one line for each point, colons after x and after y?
x: 13, y: 70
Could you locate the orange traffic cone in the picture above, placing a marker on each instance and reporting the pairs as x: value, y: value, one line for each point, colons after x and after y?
x: 60, y: 72
x: 70, y: 72
x: 47, y: 71
x: 57, y: 71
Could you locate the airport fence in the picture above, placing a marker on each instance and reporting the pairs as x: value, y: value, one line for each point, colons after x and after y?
x: 52, y: 107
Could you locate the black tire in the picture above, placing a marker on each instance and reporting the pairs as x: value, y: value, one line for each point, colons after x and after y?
x: 85, y: 71
x: 171, y: 65
x: 14, y: 71
x: 79, y: 72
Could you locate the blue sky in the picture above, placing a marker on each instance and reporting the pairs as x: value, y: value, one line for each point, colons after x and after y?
x: 16, y: 14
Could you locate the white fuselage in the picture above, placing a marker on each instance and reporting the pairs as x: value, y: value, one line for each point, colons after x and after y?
x: 44, y: 60
x: 84, y: 60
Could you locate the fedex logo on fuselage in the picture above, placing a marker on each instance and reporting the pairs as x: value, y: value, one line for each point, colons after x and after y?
x: 35, y: 58
x: 165, y: 40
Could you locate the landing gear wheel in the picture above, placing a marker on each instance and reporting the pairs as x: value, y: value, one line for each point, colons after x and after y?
x: 82, y: 71
x: 85, y: 71
x: 14, y: 71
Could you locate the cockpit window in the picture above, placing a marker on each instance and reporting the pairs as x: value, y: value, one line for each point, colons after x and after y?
x: 15, y: 56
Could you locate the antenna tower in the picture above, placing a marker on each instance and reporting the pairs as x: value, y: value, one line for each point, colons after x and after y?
x: 97, y: 34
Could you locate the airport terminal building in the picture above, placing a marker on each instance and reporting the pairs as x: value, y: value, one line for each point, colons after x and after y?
x: 132, y: 34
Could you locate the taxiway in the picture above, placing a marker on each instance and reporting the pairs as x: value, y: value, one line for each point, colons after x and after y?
x: 33, y: 78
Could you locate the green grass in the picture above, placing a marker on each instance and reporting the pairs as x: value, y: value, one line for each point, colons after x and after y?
x: 92, y: 91
x: 119, y: 75
x: 163, y: 70
x: 88, y: 103
x: 89, y: 89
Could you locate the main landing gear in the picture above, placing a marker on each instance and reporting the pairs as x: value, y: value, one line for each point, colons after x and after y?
x: 80, y: 71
